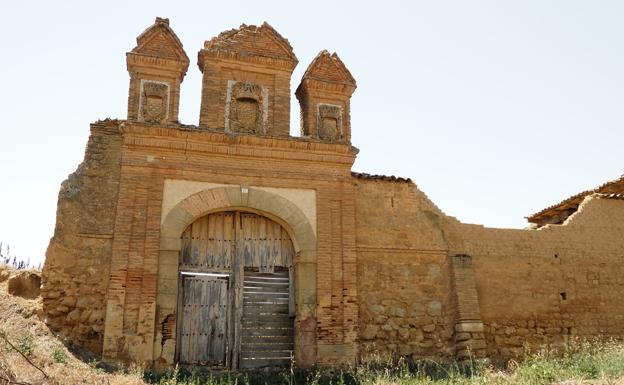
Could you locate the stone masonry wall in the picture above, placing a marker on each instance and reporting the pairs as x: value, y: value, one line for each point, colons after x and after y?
x: 75, y: 275
x: 526, y: 288
x: 404, y: 291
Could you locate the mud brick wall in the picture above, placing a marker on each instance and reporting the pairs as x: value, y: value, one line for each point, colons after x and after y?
x: 542, y: 287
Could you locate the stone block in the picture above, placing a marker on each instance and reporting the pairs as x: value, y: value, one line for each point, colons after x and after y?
x: 470, y: 327
x: 170, y: 243
x: 462, y: 336
x: 370, y: 332
x: 25, y: 284
x: 428, y: 328
x: 434, y: 308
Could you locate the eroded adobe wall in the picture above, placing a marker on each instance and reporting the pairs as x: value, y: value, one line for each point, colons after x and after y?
x: 76, y: 270
x: 545, y: 286
x: 404, y: 290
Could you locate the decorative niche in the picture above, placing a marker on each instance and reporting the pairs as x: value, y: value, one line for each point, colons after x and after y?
x: 154, y: 101
x: 246, y: 108
x: 329, y: 122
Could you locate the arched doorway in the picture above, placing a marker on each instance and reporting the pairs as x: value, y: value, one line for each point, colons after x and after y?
x: 235, y: 292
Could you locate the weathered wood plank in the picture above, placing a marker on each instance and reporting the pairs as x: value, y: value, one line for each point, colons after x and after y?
x: 221, y: 321
x: 186, y: 319
x: 267, y: 318
x: 288, y: 250
x: 195, y: 234
x: 202, y: 240
x: 266, y: 282
x: 212, y: 252
x: 261, y: 363
x: 249, y: 288
x: 291, y: 292
x: 269, y: 346
x: 270, y: 322
x: 268, y: 339
x: 185, y: 251
x: 266, y: 332
x: 266, y: 309
x: 268, y: 299
x: 229, y: 238
x: 266, y: 354
x: 220, y: 239
x: 271, y: 291
x: 262, y: 277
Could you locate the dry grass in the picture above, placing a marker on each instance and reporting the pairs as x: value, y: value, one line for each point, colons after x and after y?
x: 20, y: 323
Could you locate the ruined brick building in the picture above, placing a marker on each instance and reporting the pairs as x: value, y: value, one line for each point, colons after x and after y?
x: 232, y: 244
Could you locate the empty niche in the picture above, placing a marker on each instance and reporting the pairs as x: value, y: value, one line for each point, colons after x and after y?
x: 154, y: 101
x: 329, y: 122
x: 246, y: 108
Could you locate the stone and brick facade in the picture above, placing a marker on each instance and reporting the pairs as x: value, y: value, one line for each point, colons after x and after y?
x: 378, y: 269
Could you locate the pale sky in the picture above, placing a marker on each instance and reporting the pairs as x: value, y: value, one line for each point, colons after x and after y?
x: 495, y: 109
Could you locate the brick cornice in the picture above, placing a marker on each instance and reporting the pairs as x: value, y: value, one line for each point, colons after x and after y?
x: 191, y: 139
x: 144, y: 63
x: 204, y: 56
x: 311, y: 85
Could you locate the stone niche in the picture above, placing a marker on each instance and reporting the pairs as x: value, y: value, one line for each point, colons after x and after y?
x: 154, y: 101
x: 329, y: 122
x: 246, y: 108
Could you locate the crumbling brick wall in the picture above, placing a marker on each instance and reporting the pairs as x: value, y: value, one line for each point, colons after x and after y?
x: 75, y: 275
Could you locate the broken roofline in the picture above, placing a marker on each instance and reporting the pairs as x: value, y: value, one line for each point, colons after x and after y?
x: 572, y: 203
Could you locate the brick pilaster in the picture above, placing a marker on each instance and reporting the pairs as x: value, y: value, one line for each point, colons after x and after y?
x: 469, y: 338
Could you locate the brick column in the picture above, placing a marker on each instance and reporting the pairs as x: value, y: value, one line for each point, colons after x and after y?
x: 469, y: 338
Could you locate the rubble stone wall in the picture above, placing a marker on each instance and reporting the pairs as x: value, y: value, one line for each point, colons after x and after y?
x: 75, y: 275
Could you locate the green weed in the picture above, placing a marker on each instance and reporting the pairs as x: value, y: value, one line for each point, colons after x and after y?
x: 58, y: 355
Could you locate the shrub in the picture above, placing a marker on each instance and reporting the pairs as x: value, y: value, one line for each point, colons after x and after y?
x: 26, y: 344
x: 58, y: 355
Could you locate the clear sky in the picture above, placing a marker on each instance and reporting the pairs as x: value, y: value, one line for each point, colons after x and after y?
x: 495, y: 109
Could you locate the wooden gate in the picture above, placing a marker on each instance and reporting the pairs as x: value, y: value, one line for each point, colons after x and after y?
x: 203, y: 329
x: 235, y: 305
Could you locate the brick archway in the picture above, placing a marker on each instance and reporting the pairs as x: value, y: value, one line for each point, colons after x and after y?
x: 259, y: 201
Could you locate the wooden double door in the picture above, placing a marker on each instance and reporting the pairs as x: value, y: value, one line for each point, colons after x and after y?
x: 235, y: 301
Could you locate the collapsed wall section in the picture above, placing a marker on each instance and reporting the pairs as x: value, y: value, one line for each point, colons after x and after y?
x: 76, y: 270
